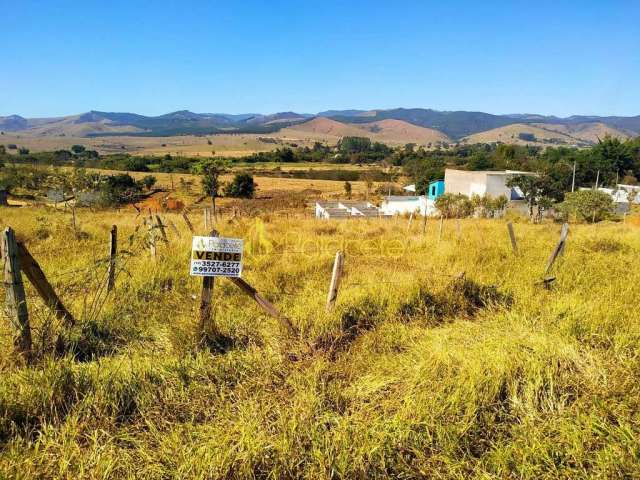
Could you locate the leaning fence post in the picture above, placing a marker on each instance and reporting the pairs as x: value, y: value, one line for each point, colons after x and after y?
x: 16, y: 302
x: 187, y: 221
x: 36, y: 276
x: 559, y: 248
x: 207, y: 326
x: 113, y: 251
x: 424, y: 223
x: 263, y: 303
x: 512, y: 236
x: 160, y: 226
x: 335, y: 280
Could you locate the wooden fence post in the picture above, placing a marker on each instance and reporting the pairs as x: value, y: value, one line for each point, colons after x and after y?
x: 160, y: 226
x: 113, y: 251
x: 263, y: 303
x: 188, y: 222
x: 36, y: 276
x: 16, y: 302
x: 207, y: 325
x: 424, y: 223
x: 440, y: 229
x: 512, y: 236
x: 206, y: 218
x: 559, y: 248
x: 152, y: 238
x: 173, y: 227
x: 336, y: 276
x: 410, y: 221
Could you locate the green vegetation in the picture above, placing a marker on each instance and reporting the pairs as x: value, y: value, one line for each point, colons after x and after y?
x: 242, y: 186
x: 588, y: 205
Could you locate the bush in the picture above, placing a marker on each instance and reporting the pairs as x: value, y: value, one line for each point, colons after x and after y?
x: 527, y: 137
x: 148, y: 181
x: 587, y: 205
x: 454, y: 205
x: 242, y: 186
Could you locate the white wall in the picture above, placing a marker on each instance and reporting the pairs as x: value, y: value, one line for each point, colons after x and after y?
x: 422, y: 205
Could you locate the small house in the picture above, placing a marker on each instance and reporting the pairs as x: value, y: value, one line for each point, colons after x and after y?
x: 346, y: 209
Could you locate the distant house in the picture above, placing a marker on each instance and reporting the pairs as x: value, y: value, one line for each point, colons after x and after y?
x: 481, y: 183
x: 346, y: 209
x: 410, y: 188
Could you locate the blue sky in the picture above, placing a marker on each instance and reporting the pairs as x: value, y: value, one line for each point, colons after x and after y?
x: 151, y: 57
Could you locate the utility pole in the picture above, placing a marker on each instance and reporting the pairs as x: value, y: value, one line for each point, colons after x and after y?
x: 573, y: 181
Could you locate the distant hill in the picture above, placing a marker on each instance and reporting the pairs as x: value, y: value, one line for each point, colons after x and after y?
x: 587, y: 132
x: 523, y: 134
x: 408, y: 125
x: 323, y: 127
x: 401, y: 132
x: 387, y: 131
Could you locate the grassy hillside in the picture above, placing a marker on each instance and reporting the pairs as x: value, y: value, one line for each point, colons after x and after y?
x: 418, y: 372
x: 392, y: 132
x: 588, y: 132
x: 510, y: 134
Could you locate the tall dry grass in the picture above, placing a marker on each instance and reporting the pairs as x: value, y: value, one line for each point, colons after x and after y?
x: 418, y: 372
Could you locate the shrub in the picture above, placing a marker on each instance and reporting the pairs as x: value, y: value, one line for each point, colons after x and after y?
x: 587, y: 205
x: 148, y: 181
x: 454, y: 205
x: 242, y: 186
x: 527, y: 137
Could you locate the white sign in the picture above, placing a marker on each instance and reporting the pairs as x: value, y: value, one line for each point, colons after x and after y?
x: 216, y: 257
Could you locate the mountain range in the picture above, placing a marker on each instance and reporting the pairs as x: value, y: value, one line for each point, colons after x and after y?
x: 416, y: 125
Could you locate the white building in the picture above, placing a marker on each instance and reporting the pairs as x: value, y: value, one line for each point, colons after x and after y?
x: 481, y: 183
x: 346, y: 209
x: 401, y: 205
x: 632, y: 191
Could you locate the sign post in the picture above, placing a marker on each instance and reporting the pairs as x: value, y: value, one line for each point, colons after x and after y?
x: 215, y: 256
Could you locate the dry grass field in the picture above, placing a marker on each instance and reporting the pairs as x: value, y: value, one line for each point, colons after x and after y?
x: 441, y: 359
x: 232, y: 145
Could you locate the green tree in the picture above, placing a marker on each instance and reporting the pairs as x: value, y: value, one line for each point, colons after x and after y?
x: 536, y: 189
x: 242, y: 186
x: 347, y: 189
x: 588, y: 205
x: 149, y: 181
x: 211, y: 169
x: 77, y: 149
